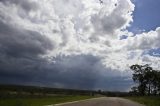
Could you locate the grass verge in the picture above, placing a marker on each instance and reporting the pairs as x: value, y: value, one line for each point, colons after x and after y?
x: 41, y: 101
x: 147, y: 100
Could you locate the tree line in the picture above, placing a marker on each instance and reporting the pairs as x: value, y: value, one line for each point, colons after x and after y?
x: 20, y: 91
x: 147, y: 80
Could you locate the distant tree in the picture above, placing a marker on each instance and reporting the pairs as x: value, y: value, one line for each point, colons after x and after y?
x: 134, y: 91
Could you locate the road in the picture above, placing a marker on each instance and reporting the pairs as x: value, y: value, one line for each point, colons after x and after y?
x: 103, y: 101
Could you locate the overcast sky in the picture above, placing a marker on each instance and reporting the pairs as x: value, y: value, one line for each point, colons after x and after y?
x: 79, y: 44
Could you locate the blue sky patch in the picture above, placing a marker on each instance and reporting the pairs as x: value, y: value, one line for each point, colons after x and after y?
x: 153, y: 52
x: 146, y: 16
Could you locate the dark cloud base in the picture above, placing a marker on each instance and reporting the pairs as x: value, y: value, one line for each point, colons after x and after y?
x: 21, y: 61
x: 77, y: 72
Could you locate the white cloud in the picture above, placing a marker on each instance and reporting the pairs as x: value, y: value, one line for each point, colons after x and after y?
x: 83, y: 27
x: 146, y: 40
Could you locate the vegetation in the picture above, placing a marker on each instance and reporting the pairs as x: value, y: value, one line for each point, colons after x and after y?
x: 17, y: 91
x: 40, y: 101
x: 148, y: 80
x: 147, y: 100
x: 147, y: 91
x: 15, y: 95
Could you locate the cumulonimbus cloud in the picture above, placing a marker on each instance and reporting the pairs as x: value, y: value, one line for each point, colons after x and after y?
x: 36, y: 33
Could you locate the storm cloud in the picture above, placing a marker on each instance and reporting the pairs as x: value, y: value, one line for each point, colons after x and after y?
x: 78, y: 72
x: 22, y: 62
x: 71, y: 43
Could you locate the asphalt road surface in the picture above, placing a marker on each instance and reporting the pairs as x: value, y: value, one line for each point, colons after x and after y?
x: 103, y: 101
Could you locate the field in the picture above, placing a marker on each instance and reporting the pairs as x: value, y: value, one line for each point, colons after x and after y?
x: 40, y: 101
x: 148, y: 101
x: 17, y: 95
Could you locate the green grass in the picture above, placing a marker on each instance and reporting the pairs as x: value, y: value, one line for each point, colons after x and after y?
x: 148, y: 101
x: 40, y: 101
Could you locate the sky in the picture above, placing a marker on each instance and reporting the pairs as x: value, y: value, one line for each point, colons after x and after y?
x: 146, y: 16
x: 77, y: 44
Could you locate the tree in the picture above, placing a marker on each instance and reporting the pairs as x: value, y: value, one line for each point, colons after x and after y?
x: 158, y: 82
x: 148, y: 79
x: 138, y: 77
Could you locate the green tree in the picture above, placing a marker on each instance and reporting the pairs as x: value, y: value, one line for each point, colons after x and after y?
x: 148, y: 79
x: 138, y: 77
